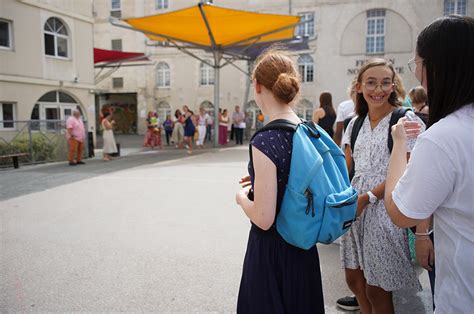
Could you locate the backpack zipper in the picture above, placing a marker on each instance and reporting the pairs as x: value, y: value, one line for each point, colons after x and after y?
x: 309, y: 195
x: 346, y: 203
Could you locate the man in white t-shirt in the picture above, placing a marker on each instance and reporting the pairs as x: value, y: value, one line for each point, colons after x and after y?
x: 344, y: 110
x: 439, y: 181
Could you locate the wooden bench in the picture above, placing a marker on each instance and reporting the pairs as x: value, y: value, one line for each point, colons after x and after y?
x: 14, y: 158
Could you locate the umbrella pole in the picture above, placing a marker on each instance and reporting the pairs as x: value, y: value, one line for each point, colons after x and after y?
x: 247, y: 85
x: 217, y: 61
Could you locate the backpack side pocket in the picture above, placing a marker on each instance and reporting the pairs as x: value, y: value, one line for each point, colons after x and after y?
x: 339, y: 213
x: 298, y: 221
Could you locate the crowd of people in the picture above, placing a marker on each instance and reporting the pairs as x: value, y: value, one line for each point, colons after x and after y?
x: 412, y: 170
x: 187, y: 129
x: 413, y: 175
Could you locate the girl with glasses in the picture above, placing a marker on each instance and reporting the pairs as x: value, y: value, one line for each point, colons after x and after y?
x: 374, y: 252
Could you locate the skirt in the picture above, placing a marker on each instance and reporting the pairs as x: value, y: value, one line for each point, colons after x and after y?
x: 222, y: 134
x: 178, y: 133
x: 109, y: 142
x: 278, y: 277
x: 152, y: 138
x: 189, y: 130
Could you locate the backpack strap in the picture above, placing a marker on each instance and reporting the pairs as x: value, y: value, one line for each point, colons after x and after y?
x: 356, y: 129
x: 346, y: 122
x: 396, y: 115
x: 279, y: 124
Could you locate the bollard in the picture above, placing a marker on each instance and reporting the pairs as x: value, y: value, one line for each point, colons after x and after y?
x: 90, y: 143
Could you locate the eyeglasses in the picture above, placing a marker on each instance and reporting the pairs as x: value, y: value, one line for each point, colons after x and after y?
x: 372, y: 85
x: 412, y: 64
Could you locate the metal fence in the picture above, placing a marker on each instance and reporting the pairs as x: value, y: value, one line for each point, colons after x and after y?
x: 43, y: 141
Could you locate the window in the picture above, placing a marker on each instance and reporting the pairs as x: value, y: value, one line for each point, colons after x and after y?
x: 206, y: 74
x: 163, y: 75
x: 375, y: 40
x: 117, y: 82
x: 156, y: 43
x: 117, y: 44
x: 7, y: 116
x: 306, y: 29
x: 161, y: 4
x: 164, y: 43
x: 304, y: 110
x: 306, y: 68
x: 116, y: 9
x: 455, y: 7
x: 5, y: 34
x: 53, y: 107
x: 164, y: 109
x: 208, y: 107
x: 52, y: 114
x: 55, y: 38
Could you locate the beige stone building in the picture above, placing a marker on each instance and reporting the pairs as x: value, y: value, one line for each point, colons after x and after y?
x: 46, y: 62
x: 344, y: 33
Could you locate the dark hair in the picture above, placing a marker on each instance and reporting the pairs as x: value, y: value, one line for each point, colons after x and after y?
x: 325, y: 100
x: 106, y: 114
x: 361, y: 106
x: 177, y: 113
x: 446, y: 47
x: 276, y: 71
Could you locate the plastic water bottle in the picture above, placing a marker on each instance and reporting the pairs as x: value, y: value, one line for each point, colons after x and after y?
x: 410, y: 115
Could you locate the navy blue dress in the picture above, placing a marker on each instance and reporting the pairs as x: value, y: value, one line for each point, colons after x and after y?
x: 189, y: 127
x: 278, y: 277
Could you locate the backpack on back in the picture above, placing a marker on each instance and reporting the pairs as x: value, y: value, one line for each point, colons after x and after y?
x: 319, y: 204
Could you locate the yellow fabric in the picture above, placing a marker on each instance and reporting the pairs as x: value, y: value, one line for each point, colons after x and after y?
x: 228, y: 26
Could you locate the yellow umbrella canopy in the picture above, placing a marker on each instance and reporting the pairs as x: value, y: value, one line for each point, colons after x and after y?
x: 229, y: 27
x: 216, y: 30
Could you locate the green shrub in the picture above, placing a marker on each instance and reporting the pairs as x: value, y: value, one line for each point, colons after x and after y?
x: 42, y: 149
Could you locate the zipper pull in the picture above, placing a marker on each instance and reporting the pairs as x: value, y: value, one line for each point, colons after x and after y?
x: 309, y: 196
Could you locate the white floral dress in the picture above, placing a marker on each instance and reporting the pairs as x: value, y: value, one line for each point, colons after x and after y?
x: 374, y: 243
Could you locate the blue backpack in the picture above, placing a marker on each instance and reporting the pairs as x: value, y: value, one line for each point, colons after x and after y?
x: 319, y: 204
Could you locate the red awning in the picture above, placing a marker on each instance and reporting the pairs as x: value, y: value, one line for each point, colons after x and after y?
x: 108, y: 56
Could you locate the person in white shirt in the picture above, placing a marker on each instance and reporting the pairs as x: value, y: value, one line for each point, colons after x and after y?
x: 344, y: 110
x: 439, y: 178
x: 238, y: 119
x: 202, y: 127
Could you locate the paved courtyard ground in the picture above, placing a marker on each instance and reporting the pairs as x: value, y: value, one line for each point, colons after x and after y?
x: 151, y: 231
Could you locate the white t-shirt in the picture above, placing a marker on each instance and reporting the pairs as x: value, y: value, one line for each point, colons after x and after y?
x: 344, y: 110
x: 439, y: 180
